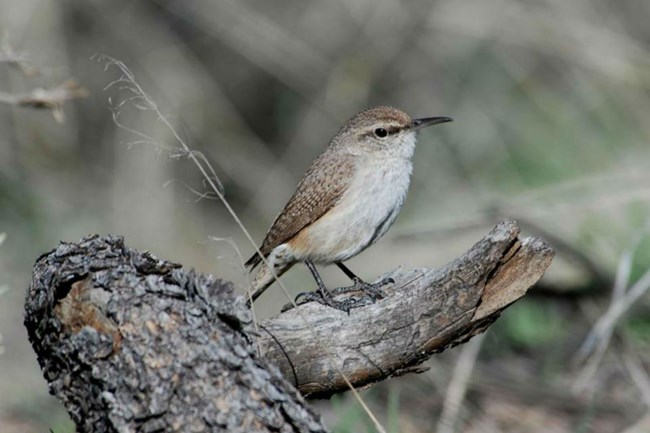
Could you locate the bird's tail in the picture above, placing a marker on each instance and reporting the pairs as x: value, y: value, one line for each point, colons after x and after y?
x: 263, y: 279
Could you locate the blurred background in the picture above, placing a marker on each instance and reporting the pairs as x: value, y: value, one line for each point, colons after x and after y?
x: 551, y: 102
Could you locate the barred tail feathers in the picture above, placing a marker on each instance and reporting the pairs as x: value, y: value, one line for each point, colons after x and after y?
x: 263, y: 279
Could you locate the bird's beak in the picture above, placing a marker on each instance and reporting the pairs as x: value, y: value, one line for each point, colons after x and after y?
x: 428, y: 121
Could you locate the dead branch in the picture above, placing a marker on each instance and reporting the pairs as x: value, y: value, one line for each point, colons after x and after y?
x: 49, y: 99
x: 18, y: 60
x: 425, y: 312
x: 129, y: 342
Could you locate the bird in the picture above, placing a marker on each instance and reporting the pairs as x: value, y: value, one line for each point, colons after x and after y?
x: 346, y: 201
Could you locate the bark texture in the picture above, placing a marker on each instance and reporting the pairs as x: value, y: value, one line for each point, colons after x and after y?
x: 132, y: 343
x: 129, y: 342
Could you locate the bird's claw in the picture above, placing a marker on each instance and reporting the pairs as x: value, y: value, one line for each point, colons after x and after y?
x: 374, y: 290
x: 305, y: 297
x: 299, y: 295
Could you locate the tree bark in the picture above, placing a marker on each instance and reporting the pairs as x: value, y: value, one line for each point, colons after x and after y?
x: 130, y: 342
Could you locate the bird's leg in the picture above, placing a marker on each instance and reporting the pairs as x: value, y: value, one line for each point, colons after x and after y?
x: 323, y: 296
x: 326, y: 295
x: 372, y: 290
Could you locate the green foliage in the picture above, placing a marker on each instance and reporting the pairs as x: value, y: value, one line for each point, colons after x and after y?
x: 351, y: 417
x: 63, y: 426
x: 392, y: 412
x: 585, y: 422
x: 620, y: 234
x: 532, y: 323
x: 641, y: 262
x: 637, y: 329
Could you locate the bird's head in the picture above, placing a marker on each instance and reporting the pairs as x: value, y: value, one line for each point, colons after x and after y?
x: 383, y: 131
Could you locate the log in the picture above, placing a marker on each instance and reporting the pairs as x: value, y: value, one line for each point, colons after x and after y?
x: 426, y: 311
x: 131, y: 342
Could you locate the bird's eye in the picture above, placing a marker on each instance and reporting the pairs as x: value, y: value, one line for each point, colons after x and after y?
x: 381, y: 132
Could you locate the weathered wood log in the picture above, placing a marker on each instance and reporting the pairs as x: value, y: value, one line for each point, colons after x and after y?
x: 130, y: 342
x: 424, y: 312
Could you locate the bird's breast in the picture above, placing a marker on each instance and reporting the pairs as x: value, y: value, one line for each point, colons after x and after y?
x: 364, y: 213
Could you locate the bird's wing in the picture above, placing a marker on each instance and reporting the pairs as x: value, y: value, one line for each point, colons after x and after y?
x: 318, y: 191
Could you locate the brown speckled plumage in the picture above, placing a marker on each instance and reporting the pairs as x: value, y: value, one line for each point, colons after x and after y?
x: 317, y: 192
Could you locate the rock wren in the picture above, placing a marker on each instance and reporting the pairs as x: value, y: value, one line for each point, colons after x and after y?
x: 346, y: 201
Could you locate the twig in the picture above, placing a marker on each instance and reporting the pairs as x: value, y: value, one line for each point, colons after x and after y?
x: 642, y: 425
x: 49, y: 99
x: 16, y: 59
x: 458, y: 385
x: 639, y: 377
x: 593, y: 349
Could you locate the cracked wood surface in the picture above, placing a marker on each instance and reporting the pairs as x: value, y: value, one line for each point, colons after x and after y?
x: 130, y: 342
x: 424, y: 312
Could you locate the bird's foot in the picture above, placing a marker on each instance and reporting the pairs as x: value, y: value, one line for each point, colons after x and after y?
x: 373, y: 291
x: 327, y: 300
x: 357, y: 295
